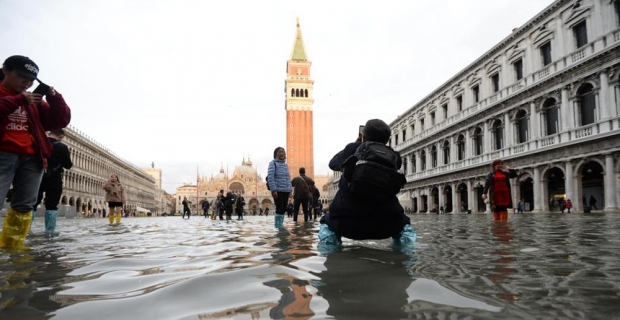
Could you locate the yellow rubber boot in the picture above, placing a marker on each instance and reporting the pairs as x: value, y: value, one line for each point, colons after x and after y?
x: 15, y: 228
x: 111, y: 217
x: 118, y: 218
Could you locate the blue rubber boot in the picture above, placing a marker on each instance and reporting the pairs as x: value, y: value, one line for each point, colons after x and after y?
x: 405, y: 238
x: 329, y: 241
x: 50, y: 222
x: 279, y: 219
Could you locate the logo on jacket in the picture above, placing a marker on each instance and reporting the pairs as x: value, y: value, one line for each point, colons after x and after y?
x: 18, y: 120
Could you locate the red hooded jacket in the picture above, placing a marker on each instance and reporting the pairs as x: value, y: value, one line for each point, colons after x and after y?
x: 54, y: 115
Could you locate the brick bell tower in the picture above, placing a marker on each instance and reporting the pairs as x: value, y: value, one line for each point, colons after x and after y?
x: 298, y: 105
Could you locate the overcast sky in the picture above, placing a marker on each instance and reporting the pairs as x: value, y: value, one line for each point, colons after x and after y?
x: 188, y: 84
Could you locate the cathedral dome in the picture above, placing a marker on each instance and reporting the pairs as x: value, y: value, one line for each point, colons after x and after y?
x: 220, y: 177
x: 245, y: 170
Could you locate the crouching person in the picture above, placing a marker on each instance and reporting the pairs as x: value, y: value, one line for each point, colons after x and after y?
x: 366, y: 206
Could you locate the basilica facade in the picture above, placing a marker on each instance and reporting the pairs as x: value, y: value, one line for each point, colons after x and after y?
x: 244, y: 180
x: 546, y: 100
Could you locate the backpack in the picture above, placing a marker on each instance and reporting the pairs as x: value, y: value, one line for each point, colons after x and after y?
x: 372, y: 172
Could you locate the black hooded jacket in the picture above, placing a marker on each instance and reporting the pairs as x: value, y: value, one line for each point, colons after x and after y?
x: 362, y: 220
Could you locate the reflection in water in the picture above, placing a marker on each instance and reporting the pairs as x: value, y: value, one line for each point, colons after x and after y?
x: 295, y: 301
x: 464, y: 267
x: 505, y: 256
x: 365, y: 283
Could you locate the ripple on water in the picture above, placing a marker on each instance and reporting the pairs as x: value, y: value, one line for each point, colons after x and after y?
x: 464, y: 267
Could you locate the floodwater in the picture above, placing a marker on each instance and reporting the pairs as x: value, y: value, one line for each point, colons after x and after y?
x: 543, y: 266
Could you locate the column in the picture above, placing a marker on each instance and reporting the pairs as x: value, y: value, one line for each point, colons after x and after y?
x: 508, y: 127
x: 566, y: 112
x: 544, y: 190
x: 470, y: 198
x: 487, y: 138
x: 569, y: 182
x: 610, y: 188
x: 453, y: 150
x: 441, y: 197
x: 534, y: 126
x: 603, y: 97
x: 456, y: 199
x: 537, y: 196
x: 468, y: 145
x: 516, y: 191
x: 409, y: 163
x: 429, y: 162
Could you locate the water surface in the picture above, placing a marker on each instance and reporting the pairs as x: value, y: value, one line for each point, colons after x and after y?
x: 545, y: 266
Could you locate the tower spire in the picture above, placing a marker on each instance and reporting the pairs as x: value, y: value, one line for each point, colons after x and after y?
x: 299, y: 48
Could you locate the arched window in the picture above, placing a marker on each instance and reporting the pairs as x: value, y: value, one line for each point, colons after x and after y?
x: 413, y: 164
x: 460, y: 147
x: 478, y: 141
x: 522, y: 126
x: 306, y: 93
x: 292, y: 92
x: 434, y: 156
x: 446, y: 152
x: 498, y: 134
x: 423, y: 159
x: 551, y: 113
x: 296, y: 92
x: 587, y: 104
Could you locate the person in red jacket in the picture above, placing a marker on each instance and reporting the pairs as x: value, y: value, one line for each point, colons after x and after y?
x: 24, y: 146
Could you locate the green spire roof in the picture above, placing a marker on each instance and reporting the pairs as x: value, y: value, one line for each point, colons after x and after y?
x: 299, y: 50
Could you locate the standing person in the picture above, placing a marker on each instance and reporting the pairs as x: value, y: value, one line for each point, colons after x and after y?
x: 358, y: 218
x: 205, y: 208
x: 220, y: 204
x: 115, y: 196
x: 229, y: 202
x: 279, y: 180
x: 51, y: 184
x: 186, y: 208
x: 569, y: 205
x: 302, y: 194
x: 520, y: 207
x: 267, y: 212
x: 239, y: 203
x: 497, y: 184
x: 24, y: 118
x: 593, y: 202
x: 316, y: 204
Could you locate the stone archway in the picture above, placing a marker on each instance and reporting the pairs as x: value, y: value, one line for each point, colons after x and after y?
x: 447, y: 196
x: 236, y: 187
x: 424, y: 203
x: 435, y: 200
x: 462, y: 197
x: 592, y: 185
x: 525, y: 191
x: 556, y: 189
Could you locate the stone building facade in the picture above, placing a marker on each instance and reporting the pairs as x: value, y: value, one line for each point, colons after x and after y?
x: 92, y: 166
x: 545, y: 100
